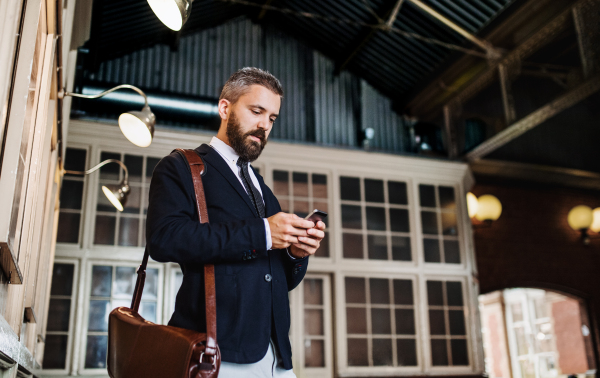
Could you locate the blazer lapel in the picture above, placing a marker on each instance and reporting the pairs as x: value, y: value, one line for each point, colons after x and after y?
x: 212, y: 157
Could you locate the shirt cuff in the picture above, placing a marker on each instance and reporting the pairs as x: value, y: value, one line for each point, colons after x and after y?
x: 268, y: 234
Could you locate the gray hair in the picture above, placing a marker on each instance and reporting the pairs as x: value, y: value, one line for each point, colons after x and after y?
x: 239, y: 83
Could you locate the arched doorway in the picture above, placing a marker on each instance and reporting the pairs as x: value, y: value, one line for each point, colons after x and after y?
x: 534, y: 333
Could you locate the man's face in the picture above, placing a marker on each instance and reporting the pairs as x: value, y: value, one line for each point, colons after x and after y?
x: 250, y: 121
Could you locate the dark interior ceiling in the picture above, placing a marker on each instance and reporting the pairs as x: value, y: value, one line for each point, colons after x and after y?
x: 393, y: 63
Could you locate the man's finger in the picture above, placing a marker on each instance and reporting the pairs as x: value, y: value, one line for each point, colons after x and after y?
x: 320, y: 225
x: 309, y: 241
x: 315, y: 233
x: 302, y: 223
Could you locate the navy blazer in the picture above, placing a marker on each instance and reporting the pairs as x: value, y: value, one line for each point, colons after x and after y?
x: 252, y: 283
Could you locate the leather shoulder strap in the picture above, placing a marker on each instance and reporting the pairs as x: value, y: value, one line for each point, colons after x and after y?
x: 197, y: 167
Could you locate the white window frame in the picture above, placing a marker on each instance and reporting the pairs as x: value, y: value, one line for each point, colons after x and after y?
x: 72, y: 318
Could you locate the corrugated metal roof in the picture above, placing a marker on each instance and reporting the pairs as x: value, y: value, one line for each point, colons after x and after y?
x: 390, y: 62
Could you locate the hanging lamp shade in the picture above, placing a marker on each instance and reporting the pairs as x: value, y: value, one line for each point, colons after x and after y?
x: 580, y: 217
x: 117, y: 195
x: 138, y: 127
x: 172, y: 13
x: 472, y: 204
x: 596, y: 222
x: 489, y: 208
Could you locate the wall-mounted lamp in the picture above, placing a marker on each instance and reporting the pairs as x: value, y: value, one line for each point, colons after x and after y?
x: 172, y: 13
x: 583, y: 219
x: 137, y: 126
x: 117, y: 195
x: 486, y: 208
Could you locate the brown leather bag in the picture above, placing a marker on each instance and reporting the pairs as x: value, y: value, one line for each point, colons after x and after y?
x: 139, y: 348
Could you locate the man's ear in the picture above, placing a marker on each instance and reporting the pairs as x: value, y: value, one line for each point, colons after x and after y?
x: 224, y: 108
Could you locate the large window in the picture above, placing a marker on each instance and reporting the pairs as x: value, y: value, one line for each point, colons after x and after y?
x: 112, y: 286
x: 380, y: 322
x: 71, y: 197
x: 375, y: 219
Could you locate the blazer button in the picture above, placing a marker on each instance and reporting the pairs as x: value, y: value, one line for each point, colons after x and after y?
x: 268, y: 277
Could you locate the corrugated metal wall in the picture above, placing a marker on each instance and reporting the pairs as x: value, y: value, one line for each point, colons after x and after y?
x: 318, y: 106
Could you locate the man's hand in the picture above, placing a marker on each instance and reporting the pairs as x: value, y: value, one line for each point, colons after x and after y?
x: 308, y: 245
x: 287, y: 228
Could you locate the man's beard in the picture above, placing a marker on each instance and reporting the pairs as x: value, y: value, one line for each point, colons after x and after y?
x: 245, y: 147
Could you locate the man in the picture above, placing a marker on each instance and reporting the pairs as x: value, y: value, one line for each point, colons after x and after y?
x: 259, y: 252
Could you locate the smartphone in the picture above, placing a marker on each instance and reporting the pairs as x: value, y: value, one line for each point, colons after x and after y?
x: 316, y: 215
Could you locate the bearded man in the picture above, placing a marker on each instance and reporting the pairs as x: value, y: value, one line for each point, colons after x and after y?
x: 259, y: 252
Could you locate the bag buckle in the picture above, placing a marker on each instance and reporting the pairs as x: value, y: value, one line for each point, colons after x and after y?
x: 212, y: 361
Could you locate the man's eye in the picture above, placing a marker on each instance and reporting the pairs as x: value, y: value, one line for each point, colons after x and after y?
x: 255, y: 112
x: 272, y: 121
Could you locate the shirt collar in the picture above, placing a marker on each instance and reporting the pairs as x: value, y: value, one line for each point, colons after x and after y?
x: 224, y: 150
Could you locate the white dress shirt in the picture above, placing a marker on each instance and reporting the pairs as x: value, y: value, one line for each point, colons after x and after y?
x: 231, y: 158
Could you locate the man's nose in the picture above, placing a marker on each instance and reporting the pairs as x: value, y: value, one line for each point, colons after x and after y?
x: 264, y: 123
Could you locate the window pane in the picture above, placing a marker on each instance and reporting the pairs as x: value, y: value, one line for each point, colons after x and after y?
x: 381, y: 321
x: 517, y: 312
x: 134, y: 166
x: 437, y: 324
x: 323, y: 250
x: 105, y: 230
x: 151, y: 284
x: 132, y: 206
x: 447, y: 200
x: 150, y: 165
x: 379, y: 290
x: 358, y: 354
x: 401, y: 250
x: 377, y: 246
x: 374, y: 191
x: 55, y: 351
x: 439, y: 353
x: 449, y: 224
x: 281, y: 183
x: 147, y: 311
x: 95, y: 355
x: 356, y: 320
x: 124, y: 283
x: 301, y: 208
x: 285, y: 205
x: 382, y: 352
x: 129, y: 229
x: 397, y: 192
x: 62, y: 279
x: 58, y: 314
x: 434, y: 293
x: 300, y: 184
x: 431, y: 248
x: 351, y: 217
x: 405, y: 322
x: 353, y: 246
x: 319, y: 188
x: 313, y: 291
x: 457, y: 322
x: 101, y: 279
x: 376, y: 218
x: 459, y: 352
x: 110, y: 171
x: 407, y: 352
x: 403, y: 292
x: 75, y: 159
x: 314, y: 353
x: 98, y: 317
x: 454, y: 293
x: 313, y: 322
x: 399, y: 220
x: 451, y: 252
x: 68, y: 228
x: 71, y: 194
x: 350, y: 188
x: 355, y: 290
x: 427, y: 195
x: 429, y: 222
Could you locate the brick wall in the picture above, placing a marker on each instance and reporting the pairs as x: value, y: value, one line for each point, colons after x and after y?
x: 531, y: 245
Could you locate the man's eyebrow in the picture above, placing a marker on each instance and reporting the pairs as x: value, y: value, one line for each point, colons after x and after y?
x: 263, y: 109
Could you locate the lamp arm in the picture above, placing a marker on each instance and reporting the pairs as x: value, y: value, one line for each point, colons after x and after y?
x: 100, y: 165
x: 128, y: 86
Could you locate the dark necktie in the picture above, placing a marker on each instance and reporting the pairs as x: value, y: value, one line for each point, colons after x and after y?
x: 253, y: 193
